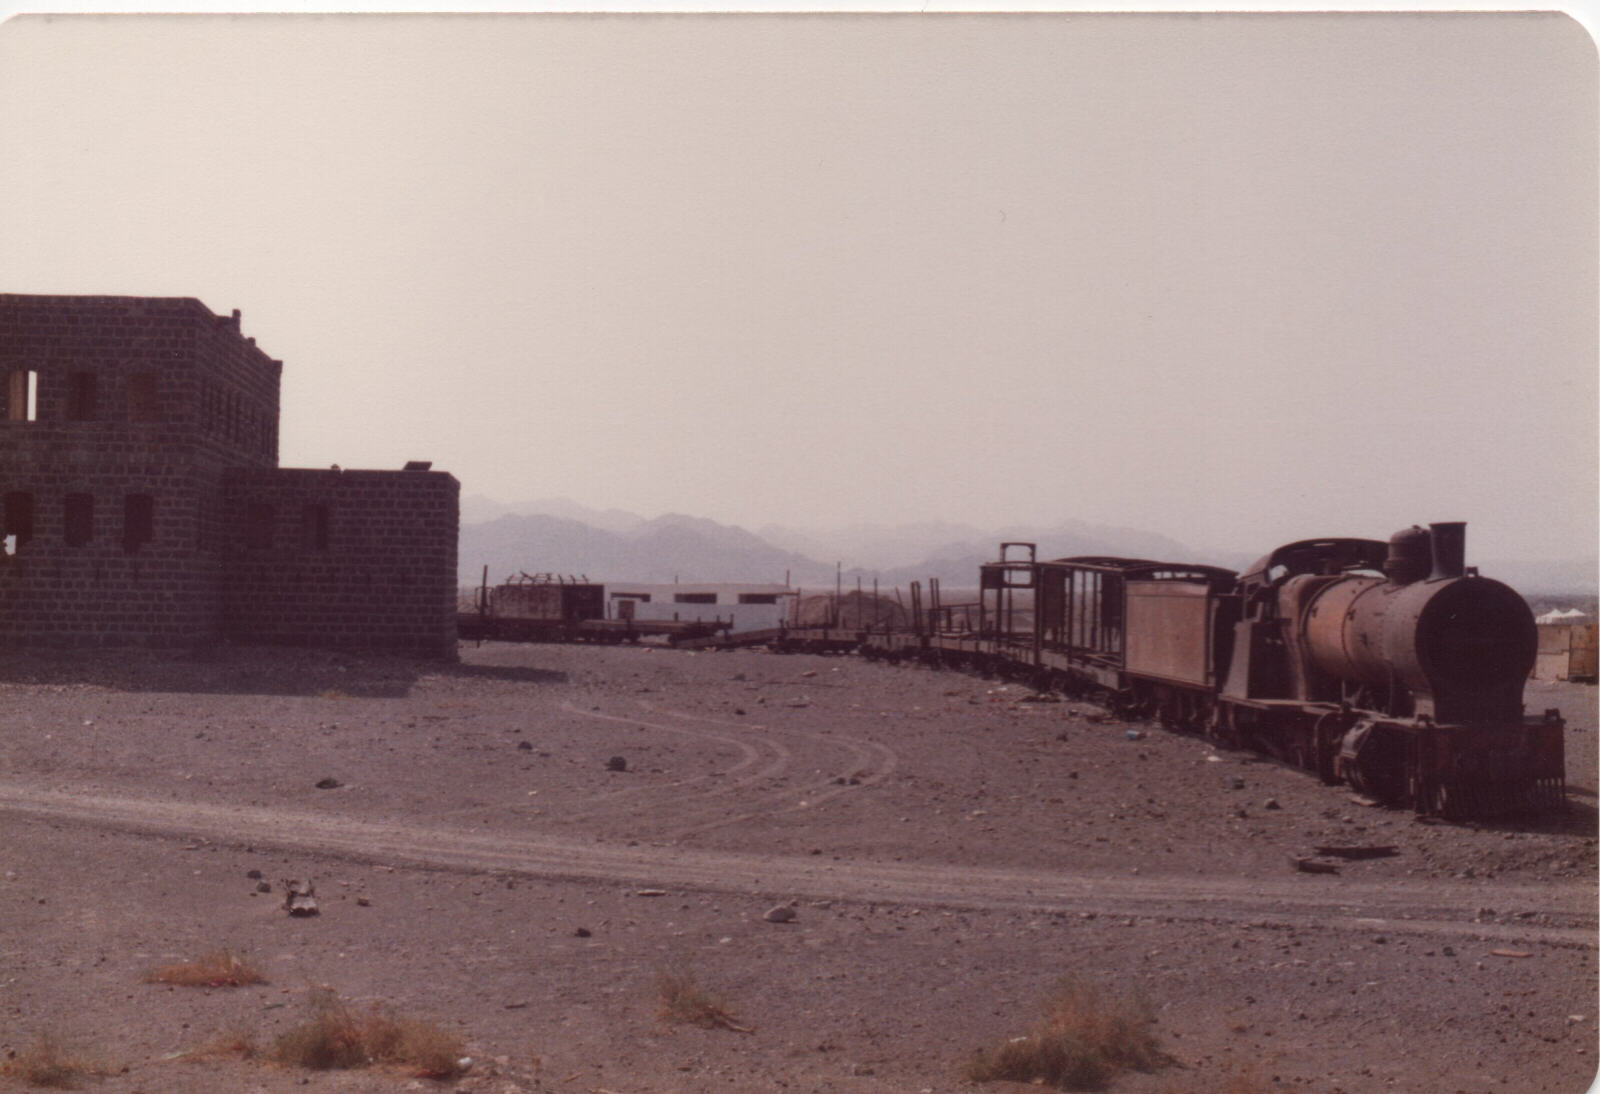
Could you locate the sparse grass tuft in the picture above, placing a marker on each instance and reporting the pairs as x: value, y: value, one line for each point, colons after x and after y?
x: 337, y: 1038
x: 684, y: 1001
x: 49, y: 1064
x: 236, y: 1041
x: 218, y: 969
x: 1084, y: 1039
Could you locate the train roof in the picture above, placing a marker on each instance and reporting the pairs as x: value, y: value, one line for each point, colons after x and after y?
x: 1142, y: 567
x: 1315, y: 556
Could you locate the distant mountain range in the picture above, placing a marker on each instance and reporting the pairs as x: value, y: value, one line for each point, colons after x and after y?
x: 663, y: 550
x: 557, y: 535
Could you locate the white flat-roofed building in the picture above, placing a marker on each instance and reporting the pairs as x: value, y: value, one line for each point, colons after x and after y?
x: 750, y: 607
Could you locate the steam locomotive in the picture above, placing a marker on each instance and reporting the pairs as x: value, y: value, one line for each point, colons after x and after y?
x: 1392, y: 667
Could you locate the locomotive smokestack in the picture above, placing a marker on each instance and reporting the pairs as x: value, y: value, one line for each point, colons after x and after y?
x: 1449, y: 549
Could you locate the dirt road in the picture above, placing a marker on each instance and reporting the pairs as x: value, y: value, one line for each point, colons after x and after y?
x: 1550, y: 914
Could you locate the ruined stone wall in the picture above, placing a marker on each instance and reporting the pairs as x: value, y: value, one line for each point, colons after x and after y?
x: 118, y: 416
x: 355, y: 559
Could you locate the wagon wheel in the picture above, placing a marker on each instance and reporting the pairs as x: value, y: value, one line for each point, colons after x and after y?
x: 1224, y: 729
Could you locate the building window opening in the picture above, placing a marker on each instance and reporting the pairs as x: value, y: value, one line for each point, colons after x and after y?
x: 79, y: 519
x: 758, y: 598
x: 80, y: 396
x: 258, y: 524
x: 138, y: 521
x: 21, y: 395
x: 314, y: 527
x: 142, y: 397
x: 17, y: 516
x: 694, y: 598
x: 16, y: 521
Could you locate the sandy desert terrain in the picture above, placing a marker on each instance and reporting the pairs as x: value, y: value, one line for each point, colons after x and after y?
x: 950, y: 849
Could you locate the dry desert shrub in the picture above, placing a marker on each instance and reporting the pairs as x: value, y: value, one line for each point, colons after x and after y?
x: 218, y: 969
x: 336, y: 1037
x: 48, y: 1063
x: 1084, y: 1039
x: 684, y: 1001
x: 236, y: 1041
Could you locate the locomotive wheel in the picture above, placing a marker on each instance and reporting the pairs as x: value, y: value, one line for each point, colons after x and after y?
x: 1325, y: 737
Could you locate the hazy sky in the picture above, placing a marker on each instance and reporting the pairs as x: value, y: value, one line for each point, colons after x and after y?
x: 1235, y: 278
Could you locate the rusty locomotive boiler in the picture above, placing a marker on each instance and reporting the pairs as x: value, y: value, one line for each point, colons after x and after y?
x: 1392, y: 667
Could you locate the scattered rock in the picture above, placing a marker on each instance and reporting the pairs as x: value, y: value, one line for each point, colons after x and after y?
x: 1311, y: 866
x: 616, y: 763
x: 1383, y: 850
x: 1233, y: 782
x: 299, y: 898
x: 582, y: 932
x: 783, y: 913
x: 253, y: 875
x: 1271, y: 803
x: 263, y: 886
x: 330, y: 783
x: 525, y: 746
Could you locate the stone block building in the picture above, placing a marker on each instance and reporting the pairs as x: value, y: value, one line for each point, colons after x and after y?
x: 141, y: 502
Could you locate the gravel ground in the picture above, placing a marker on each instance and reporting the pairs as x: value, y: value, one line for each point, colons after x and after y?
x: 950, y: 847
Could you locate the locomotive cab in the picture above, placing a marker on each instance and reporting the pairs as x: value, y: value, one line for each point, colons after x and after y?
x: 1263, y: 665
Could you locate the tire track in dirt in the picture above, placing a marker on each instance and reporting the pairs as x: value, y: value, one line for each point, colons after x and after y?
x: 862, y: 768
x: 735, y: 778
x: 1312, y: 903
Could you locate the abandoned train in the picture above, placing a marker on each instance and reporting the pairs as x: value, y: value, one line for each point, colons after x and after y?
x: 1392, y: 667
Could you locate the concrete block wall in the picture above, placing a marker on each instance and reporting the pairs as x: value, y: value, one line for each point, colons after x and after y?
x: 354, y: 559
x: 139, y: 434
x: 162, y: 402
